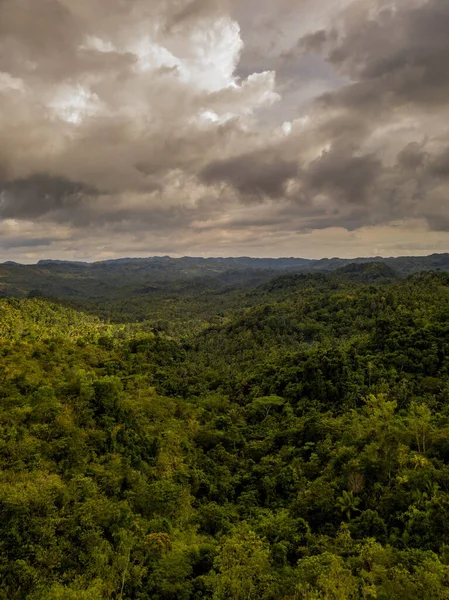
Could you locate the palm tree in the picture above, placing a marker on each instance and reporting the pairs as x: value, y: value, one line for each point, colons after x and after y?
x: 348, y: 504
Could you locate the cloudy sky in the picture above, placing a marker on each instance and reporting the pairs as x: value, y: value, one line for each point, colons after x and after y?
x: 223, y: 128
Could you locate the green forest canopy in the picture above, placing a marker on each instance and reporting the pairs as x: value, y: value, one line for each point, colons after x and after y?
x: 287, y: 440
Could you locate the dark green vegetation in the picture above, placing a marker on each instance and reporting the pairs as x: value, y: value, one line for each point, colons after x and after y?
x: 269, y: 439
x: 120, y: 279
x: 186, y: 292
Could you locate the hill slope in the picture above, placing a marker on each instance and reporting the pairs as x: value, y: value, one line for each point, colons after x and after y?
x: 295, y: 448
x: 128, y: 277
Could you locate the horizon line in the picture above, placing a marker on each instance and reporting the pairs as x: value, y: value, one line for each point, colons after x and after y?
x: 230, y: 258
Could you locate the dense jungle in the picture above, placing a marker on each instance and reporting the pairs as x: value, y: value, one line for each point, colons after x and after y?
x: 235, y: 432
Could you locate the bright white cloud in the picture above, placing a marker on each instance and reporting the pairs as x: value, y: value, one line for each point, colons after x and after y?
x: 72, y: 104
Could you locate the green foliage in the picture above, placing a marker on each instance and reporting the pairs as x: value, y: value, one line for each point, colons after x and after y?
x: 285, y: 441
x: 348, y: 504
x: 242, y: 568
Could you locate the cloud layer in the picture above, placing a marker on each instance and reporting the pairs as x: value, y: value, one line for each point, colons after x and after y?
x: 223, y: 127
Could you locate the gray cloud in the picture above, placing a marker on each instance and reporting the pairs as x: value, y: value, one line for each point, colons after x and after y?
x: 163, y: 122
x: 439, y: 165
x: 40, y: 194
x: 19, y: 242
x: 412, y: 157
x: 404, y: 51
x: 343, y: 176
x: 257, y: 174
x: 384, y: 125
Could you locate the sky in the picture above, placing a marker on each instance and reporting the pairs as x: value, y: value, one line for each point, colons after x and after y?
x: 308, y: 128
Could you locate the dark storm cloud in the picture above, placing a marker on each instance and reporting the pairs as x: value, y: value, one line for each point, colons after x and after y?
x: 403, y: 52
x: 439, y: 165
x: 18, y: 242
x: 412, y: 157
x: 343, y: 176
x: 396, y: 59
x: 313, y: 42
x: 40, y: 194
x: 256, y: 174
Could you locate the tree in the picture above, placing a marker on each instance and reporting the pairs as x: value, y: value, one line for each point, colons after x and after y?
x: 242, y: 568
x: 325, y: 577
x: 348, y: 503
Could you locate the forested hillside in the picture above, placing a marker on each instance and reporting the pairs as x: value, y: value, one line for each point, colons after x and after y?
x: 282, y: 439
x: 112, y: 281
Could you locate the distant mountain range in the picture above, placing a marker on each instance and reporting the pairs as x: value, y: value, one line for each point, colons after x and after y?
x: 132, y: 276
x: 403, y: 264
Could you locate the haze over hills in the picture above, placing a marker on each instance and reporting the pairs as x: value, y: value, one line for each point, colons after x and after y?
x: 130, y: 276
